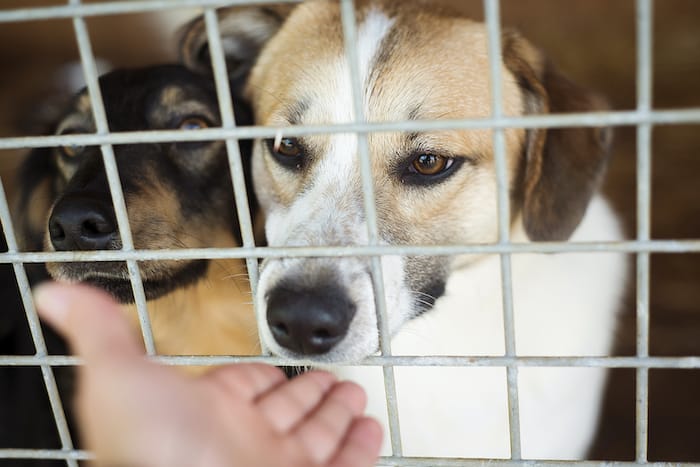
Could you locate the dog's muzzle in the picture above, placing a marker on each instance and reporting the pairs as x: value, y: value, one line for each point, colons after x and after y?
x: 309, y: 321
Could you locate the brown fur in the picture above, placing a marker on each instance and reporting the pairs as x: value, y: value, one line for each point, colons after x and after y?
x: 212, y: 317
x: 563, y: 165
x: 552, y: 172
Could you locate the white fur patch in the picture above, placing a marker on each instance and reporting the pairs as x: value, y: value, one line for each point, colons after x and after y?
x: 331, y: 211
x: 564, y: 305
x: 343, y: 154
x: 370, y: 36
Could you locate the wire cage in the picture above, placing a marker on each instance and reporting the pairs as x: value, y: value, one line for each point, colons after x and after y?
x: 643, y: 117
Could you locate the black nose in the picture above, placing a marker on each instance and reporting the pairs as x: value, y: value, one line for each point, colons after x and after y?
x: 309, y: 322
x: 82, y: 223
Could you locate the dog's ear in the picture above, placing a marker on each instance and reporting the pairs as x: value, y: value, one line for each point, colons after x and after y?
x: 244, y: 31
x: 562, y: 167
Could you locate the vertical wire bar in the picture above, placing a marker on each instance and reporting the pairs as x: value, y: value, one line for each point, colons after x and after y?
x: 492, y: 15
x: 228, y: 121
x: 47, y: 374
x: 87, y: 60
x: 349, y: 25
x: 644, y: 105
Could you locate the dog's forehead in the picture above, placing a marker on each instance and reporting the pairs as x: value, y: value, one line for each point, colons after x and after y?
x: 412, y: 66
x: 173, y: 94
x: 178, y: 100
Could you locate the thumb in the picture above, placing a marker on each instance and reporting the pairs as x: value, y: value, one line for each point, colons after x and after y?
x: 89, y: 319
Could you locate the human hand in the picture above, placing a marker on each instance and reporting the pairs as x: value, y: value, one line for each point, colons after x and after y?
x: 132, y: 411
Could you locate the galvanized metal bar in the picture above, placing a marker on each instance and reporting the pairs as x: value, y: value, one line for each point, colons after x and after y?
x: 118, y: 8
x: 493, y: 27
x: 644, y: 106
x: 651, y: 246
x: 444, y: 462
x: 87, y: 60
x: 35, y: 331
x: 70, y: 455
x: 349, y: 25
x: 383, y: 461
x: 403, y: 360
x: 590, y: 119
x: 228, y: 120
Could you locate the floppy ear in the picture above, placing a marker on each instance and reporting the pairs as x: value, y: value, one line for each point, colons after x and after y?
x: 244, y: 32
x: 562, y: 166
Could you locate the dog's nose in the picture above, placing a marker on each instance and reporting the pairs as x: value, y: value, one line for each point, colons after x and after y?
x: 82, y: 223
x: 309, y: 322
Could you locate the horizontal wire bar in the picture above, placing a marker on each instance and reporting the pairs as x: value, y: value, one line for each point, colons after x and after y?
x: 683, y: 363
x: 458, y: 462
x: 383, y: 461
x: 589, y: 119
x: 650, y: 246
x: 62, y: 454
x: 117, y: 8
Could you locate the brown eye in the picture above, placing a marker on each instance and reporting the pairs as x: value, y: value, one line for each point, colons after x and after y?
x: 193, y: 123
x: 431, y: 164
x: 71, y: 151
x: 288, y: 147
x: 288, y: 152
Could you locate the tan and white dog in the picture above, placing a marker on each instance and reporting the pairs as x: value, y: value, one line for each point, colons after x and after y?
x: 432, y: 187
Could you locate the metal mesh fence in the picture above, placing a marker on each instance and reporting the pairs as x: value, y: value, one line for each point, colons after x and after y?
x: 643, y: 117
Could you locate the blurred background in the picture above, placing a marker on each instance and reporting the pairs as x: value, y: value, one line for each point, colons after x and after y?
x: 593, y: 42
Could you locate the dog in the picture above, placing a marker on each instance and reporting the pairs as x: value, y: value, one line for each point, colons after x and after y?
x: 417, y: 62
x: 177, y: 195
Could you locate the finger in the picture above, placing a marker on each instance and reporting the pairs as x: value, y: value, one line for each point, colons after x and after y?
x: 361, y: 446
x: 323, y: 430
x: 290, y: 403
x: 248, y: 380
x: 89, y: 319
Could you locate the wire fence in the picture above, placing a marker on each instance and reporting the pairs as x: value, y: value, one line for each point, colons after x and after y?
x: 643, y: 117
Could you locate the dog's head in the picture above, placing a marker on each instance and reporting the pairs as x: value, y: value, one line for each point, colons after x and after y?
x: 431, y: 187
x: 178, y: 195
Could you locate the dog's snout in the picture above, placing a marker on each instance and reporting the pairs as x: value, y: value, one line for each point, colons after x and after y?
x: 309, y: 322
x: 82, y: 223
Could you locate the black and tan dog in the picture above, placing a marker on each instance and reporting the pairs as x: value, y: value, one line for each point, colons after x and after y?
x: 178, y: 195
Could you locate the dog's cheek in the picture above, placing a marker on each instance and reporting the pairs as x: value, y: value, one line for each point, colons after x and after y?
x: 426, y: 277
x: 263, y: 183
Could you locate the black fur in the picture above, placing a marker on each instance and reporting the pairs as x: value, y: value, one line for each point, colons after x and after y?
x: 198, y: 179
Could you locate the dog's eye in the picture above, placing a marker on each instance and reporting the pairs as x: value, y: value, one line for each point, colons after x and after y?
x: 71, y: 150
x: 426, y: 168
x: 289, y: 152
x: 431, y: 164
x: 288, y: 147
x: 193, y: 123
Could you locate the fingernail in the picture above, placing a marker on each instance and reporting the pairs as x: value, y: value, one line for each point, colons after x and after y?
x: 52, y: 302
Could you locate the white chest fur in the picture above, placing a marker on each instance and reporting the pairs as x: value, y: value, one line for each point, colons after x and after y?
x: 564, y: 305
